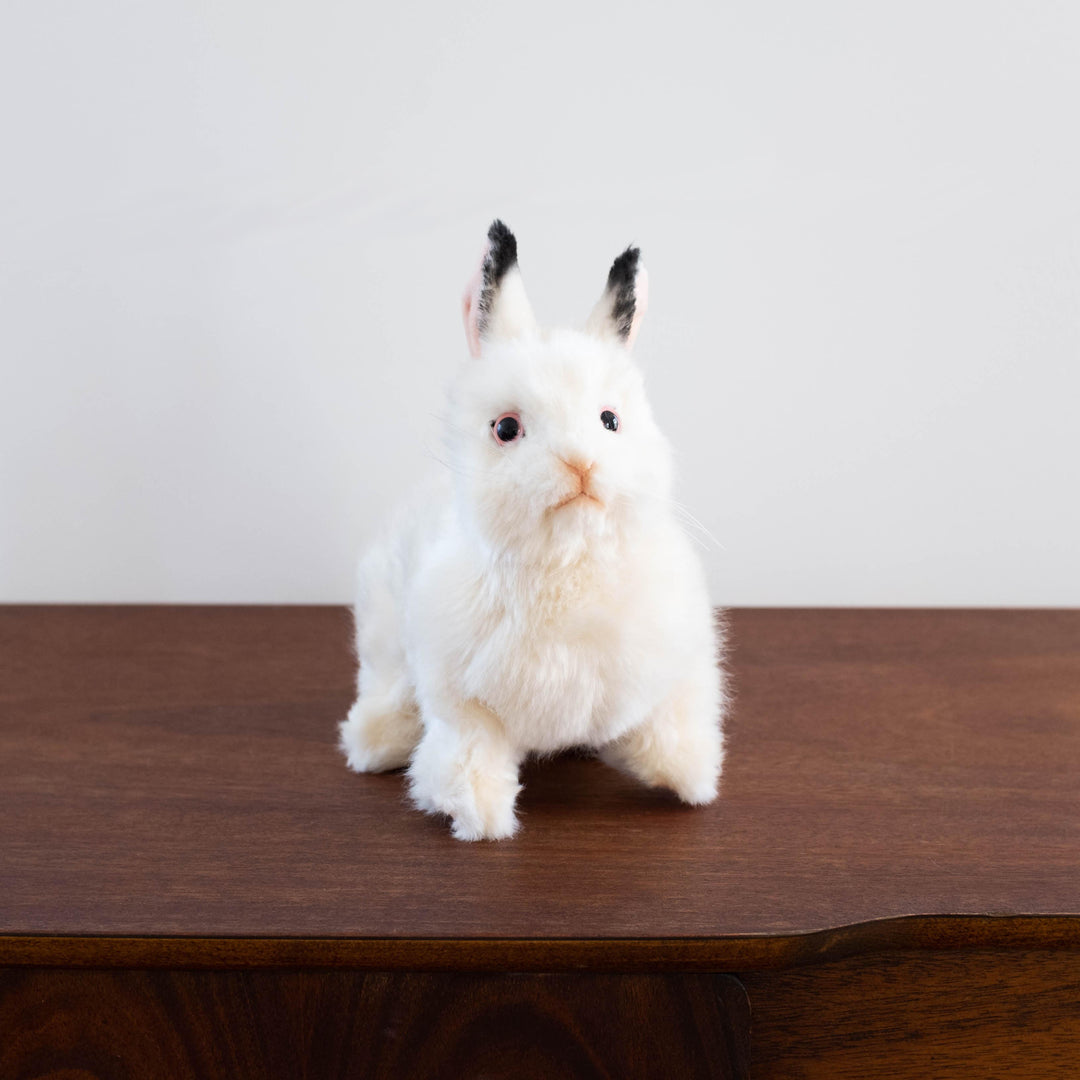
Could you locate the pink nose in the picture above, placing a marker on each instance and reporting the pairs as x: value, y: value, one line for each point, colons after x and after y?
x: 580, y: 468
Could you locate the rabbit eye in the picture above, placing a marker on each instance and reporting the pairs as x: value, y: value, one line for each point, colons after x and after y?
x: 507, y: 428
x: 610, y: 420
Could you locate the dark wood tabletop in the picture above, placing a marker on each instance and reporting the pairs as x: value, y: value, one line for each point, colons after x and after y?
x: 171, y: 792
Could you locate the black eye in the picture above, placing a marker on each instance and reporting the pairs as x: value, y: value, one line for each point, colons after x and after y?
x: 507, y: 428
x: 609, y: 420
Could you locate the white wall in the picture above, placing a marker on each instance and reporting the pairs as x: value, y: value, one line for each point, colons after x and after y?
x: 233, y: 238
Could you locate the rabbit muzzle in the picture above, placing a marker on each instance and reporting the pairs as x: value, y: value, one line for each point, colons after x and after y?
x: 582, y: 472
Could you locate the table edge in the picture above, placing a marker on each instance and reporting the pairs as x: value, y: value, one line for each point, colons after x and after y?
x: 726, y: 953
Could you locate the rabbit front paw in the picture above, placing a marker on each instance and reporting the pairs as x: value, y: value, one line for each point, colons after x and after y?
x: 471, y: 776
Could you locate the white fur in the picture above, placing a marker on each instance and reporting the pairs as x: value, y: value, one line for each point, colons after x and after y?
x: 491, y: 625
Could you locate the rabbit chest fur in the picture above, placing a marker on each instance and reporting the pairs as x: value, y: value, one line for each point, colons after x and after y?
x: 566, y: 655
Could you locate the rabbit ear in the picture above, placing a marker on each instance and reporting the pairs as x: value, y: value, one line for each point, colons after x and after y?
x: 495, y: 304
x: 622, y: 307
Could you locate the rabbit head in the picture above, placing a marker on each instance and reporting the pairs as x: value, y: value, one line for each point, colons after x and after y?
x: 549, y: 433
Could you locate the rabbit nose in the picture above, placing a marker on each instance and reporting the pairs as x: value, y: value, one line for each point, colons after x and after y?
x: 580, y: 468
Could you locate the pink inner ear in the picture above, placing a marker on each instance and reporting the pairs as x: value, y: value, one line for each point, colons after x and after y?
x: 470, y: 304
x: 641, y: 303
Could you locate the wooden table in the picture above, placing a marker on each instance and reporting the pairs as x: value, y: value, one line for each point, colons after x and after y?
x: 192, y: 884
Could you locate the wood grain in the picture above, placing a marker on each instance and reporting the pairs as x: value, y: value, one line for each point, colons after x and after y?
x: 171, y: 772
x: 123, y: 1025
x: 913, y: 1016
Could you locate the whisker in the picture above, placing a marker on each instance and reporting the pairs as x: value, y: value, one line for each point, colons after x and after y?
x: 679, y: 508
x: 686, y: 521
x: 448, y: 423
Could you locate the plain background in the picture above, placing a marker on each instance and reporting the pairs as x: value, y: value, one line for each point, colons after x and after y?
x: 233, y: 239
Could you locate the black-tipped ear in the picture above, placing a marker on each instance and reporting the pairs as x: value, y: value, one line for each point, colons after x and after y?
x: 622, y: 307
x: 621, y: 281
x: 495, y: 304
x: 501, y: 255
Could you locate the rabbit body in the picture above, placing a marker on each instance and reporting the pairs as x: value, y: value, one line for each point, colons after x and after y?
x: 543, y: 596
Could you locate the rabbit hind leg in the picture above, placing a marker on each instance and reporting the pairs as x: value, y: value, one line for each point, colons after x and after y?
x: 381, y: 731
x: 681, y: 746
x: 383, y: 727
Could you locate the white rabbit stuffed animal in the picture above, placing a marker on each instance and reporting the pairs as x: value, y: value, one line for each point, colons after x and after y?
x: 548, y: 598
